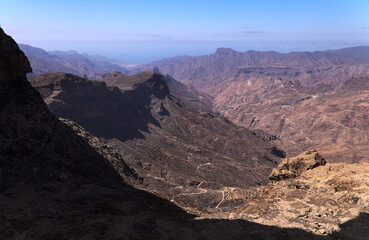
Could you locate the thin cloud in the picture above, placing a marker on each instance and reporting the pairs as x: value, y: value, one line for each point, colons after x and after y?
x: 365, y: 28
x: 148, y: 35
x: 252, y: 32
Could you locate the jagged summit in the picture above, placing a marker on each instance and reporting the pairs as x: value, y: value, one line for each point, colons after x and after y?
x: 13, y: 62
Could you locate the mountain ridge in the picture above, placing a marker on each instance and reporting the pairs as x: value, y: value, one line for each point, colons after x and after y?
x: 69, y: 62
x: 158, y: 135
x: 206, y: 72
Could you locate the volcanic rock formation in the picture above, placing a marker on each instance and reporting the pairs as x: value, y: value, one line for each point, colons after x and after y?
x: 192, y: 158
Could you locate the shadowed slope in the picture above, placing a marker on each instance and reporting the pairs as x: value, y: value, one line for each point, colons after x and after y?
x: 195, y: 158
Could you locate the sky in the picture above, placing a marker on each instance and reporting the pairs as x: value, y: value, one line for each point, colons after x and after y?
x: 139, y: 31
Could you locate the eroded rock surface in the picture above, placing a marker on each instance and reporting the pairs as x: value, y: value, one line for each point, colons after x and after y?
x: 293, y: 167
x: 323, y: 200
x: 304, y: 99
x: 332, y: 121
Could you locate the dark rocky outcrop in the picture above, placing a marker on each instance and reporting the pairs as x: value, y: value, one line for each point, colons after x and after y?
x: 96, y: 107
x: 187, y: 93
x: 189, y: 157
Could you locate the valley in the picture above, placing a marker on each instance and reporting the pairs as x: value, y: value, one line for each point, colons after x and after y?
x: 158, y: 135
x: 209, y: 147
x: 306, y: 100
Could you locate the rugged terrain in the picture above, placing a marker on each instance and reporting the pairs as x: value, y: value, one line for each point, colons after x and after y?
x: 302, y: 100
x: 309, y: 68
x: 54, y: 185
x: 187, y: 93
x: 68, y: 62
x: 298, y: 100
x: 333, y: 121
x: 323, y: 198
x: 159, y: 136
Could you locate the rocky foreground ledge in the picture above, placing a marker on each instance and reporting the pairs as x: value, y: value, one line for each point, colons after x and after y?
x: 309, y: 194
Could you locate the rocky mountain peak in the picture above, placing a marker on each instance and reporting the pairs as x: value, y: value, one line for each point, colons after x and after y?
x: 227, y: 51
x: 293, y: 167
x: 13, y: 62
x: 147, y: 83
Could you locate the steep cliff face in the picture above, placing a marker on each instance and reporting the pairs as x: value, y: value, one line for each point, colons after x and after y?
x: 187, y: 93
x: 187, y: 156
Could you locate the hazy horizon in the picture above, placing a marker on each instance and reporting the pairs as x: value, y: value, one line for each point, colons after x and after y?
x: 143, y: 56
x: 143, y: 31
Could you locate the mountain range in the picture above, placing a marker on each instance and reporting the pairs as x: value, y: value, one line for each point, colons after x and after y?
x: 306, y: 100
x: 60, y: 182
x: 69, y: 62
x: 309, y: 68
x: 274, y: 93
x: 143, y: 156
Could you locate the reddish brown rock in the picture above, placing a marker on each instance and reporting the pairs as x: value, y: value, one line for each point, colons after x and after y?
x: 293, y: 167
x: 328, y: 200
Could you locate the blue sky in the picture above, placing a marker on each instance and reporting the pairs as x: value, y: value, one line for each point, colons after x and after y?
x: 142, y: 30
